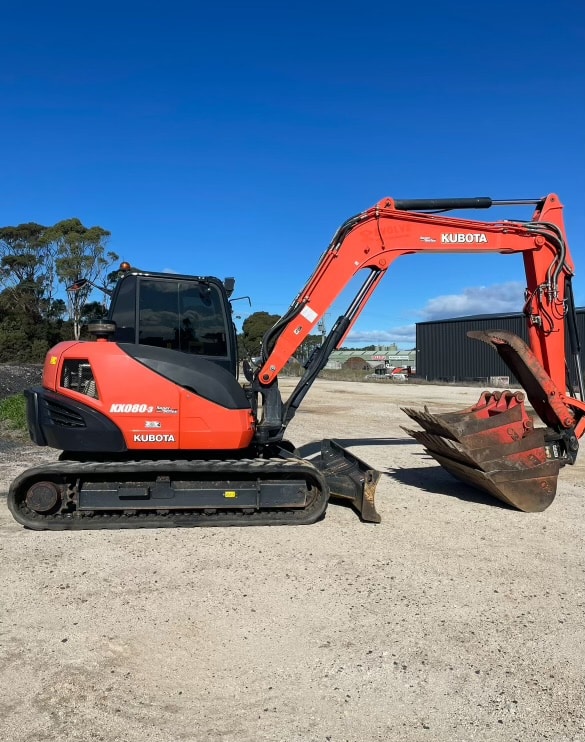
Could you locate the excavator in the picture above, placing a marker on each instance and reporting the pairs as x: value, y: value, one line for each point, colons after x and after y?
x: 156, y: 430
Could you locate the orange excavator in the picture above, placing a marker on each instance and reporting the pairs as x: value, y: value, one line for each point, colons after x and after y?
x: 155, y: 429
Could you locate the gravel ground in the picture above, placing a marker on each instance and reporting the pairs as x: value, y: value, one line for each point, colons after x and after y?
x: 455, y: 619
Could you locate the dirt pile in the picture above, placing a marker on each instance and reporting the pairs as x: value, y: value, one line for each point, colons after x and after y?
x: 15, y: 379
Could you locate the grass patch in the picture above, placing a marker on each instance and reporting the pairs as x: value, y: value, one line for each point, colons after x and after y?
x: 13, y: 413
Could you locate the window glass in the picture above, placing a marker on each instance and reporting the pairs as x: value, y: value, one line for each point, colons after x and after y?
x: 158, y: 313
x: 202, y: 321
x: 124, y: 314
x: 183, y: 316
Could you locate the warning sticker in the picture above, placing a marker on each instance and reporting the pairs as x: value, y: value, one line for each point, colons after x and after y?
x: 308, y: 313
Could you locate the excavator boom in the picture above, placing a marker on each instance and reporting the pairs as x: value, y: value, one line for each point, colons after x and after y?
x: 373, y: 240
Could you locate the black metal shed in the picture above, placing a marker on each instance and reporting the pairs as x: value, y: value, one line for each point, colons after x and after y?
x: 444, y: 352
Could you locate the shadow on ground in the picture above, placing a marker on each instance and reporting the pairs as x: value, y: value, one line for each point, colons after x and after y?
x: 432, y: 479
x: 436, y: 481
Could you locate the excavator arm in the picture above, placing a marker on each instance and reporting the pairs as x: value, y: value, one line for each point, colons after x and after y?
x: 370, y: 242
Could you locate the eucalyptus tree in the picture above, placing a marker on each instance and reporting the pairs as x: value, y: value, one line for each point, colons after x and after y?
x: 82, y: 262
x: 254, y: 328
x: 27, y: 269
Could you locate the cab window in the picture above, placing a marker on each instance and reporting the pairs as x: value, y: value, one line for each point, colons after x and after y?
x: 182, y: 316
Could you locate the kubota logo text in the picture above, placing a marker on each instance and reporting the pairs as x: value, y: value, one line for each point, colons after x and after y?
x: 154, y: 438
x: 450, y: 237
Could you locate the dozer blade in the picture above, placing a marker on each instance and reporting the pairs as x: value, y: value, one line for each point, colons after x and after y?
x: 349, y: 478
x: 493, y: 446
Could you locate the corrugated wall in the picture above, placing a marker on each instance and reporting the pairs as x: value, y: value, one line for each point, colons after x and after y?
x: 443, y: 350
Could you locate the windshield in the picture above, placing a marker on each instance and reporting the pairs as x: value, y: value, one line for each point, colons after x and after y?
x: 181, y: 315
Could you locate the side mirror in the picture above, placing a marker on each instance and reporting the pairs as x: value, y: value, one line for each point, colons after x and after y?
x: 230, y: 285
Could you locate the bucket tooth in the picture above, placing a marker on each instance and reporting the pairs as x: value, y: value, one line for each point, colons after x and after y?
x: 436, y: 444
x: 479, y: 425
x: 526, y: 452
x: 427, y: 421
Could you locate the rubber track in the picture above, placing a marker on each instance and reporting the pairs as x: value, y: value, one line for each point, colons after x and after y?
x: 64, y: 472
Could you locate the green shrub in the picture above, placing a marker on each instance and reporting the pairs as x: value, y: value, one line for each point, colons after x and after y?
x: 13, y: 412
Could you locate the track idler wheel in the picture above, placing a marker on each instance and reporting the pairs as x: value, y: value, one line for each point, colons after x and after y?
x: 43, y: 497
x: 493, y: 446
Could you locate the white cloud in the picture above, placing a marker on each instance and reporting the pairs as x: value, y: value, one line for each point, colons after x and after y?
x: 496, y: 299
x: 400, y: 335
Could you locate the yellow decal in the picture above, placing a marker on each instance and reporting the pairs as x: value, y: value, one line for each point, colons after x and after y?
x: 53, y: 360
x: 230, y: 493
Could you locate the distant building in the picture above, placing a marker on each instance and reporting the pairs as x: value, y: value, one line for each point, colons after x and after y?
x: 444, y: 352
x: 384, y: 356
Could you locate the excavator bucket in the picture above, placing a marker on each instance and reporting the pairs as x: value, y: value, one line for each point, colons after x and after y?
x: 489, y: 453
x: 493, y: 445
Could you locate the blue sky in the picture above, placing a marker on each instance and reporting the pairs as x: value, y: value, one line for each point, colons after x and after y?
x: 234, y: 138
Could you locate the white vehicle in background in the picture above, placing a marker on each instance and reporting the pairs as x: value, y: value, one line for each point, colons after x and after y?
x: 390, y: 373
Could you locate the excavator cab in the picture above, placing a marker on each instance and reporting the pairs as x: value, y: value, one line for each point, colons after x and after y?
x: 191, y: 314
